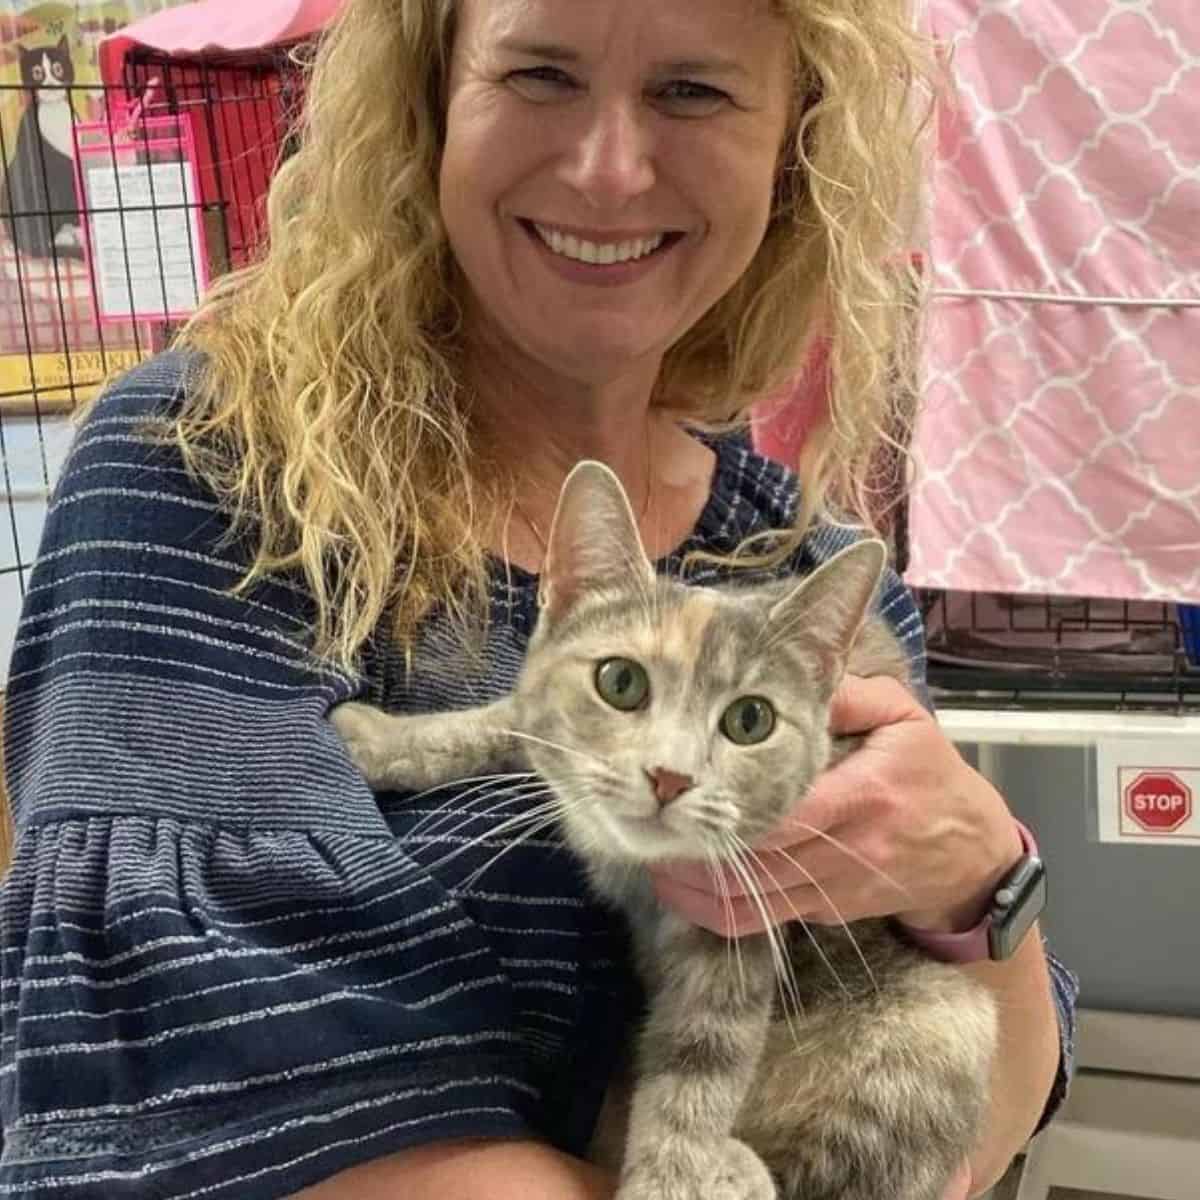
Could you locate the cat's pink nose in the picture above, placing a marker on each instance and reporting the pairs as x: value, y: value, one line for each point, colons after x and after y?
x: 669, y: 785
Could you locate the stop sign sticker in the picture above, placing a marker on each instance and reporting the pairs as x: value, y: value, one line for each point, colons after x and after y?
x: 1146, y: 788
x: 1158, y: 801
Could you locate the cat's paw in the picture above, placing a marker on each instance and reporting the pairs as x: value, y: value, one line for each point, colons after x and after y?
x: 362, y: 729
x: 730, y: 1170
x: 376, y: 743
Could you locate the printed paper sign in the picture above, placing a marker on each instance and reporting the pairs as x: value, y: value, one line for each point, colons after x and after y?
x: 139, y: 196
x: 1149, y: 792
x: 146, y: 239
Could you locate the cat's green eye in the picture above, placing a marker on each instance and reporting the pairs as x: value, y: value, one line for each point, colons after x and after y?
x: 748, y: 720
x: 622, y: 683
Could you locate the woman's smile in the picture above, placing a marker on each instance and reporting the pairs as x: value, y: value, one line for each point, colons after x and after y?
x: 602, y: 259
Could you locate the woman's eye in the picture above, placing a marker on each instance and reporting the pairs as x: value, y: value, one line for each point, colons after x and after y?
x: 540, y: 83
x: 748, y: 720
x: 694, y: 99
x: 622, y: 683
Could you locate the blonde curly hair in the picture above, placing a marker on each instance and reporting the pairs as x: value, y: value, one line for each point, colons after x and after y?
x: 329, y: 415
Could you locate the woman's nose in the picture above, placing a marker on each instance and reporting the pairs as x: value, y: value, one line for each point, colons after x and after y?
x: 611, y: 160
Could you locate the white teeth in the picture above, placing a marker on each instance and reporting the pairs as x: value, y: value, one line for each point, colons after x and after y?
x: 597, y: 253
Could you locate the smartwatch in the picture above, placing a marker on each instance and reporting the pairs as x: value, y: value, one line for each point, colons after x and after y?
x: 1017, y: 902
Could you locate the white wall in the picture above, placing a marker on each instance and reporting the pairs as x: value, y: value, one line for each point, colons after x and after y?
x: 1125, y: 918
x: 32, y: 457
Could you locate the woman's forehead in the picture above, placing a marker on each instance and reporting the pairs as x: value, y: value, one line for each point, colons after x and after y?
x: 595, y: 28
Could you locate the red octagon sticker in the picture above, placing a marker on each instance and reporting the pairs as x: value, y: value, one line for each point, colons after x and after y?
x: 1159, y: 801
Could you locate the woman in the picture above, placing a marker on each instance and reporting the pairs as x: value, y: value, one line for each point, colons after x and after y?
x: 518, y: 233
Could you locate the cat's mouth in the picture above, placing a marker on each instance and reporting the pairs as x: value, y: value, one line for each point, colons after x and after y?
x: 652, y: 838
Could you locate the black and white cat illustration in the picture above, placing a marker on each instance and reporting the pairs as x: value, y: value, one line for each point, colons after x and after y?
x: 38, y: 201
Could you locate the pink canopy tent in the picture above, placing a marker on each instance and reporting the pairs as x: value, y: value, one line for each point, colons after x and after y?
x: 217, y: 27
x: 217, y: 64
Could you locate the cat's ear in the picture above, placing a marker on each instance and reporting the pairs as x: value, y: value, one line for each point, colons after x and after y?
x: 594, y: 540
x: 64, y: 46
x: 827, y: 608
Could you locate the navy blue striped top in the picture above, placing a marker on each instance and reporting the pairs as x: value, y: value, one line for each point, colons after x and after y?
x: 229, y: 969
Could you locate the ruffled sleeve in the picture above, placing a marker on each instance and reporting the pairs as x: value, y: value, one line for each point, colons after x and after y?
x: 222, y: 976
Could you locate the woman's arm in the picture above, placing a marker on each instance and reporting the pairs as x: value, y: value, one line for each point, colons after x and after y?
x: 469, y: 1170
x: 1026, y: 1060
x: 240, y: 971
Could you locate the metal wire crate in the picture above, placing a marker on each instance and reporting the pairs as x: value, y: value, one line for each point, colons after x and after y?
x: 55, y: 348
x: 1038, y: 651
x: 245, y: 107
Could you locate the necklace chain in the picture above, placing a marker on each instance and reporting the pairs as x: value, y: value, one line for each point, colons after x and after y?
x: 541, y: 538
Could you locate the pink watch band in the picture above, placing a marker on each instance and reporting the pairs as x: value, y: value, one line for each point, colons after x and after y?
x: 972, y: 944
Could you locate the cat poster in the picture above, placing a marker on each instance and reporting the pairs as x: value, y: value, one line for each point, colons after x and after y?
x: 47, y: 72
x: 49, y: 83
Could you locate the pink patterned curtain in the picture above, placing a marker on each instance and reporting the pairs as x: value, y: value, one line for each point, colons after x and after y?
x: 1059, y: 447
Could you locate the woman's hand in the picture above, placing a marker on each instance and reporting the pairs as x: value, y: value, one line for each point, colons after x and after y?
x: 901, y: 826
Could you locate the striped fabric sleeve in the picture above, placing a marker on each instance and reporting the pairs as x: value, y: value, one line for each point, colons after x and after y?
x: 1064, y: 988
x: 221, y: 976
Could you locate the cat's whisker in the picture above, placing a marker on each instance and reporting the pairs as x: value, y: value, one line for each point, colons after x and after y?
x: 799, y: 917
x: 462, y: 828
x: 537, y: 794
x: 769, y: 633
x: 547, y: 822
x: 713, y: 814
x: 841, y: 921
x: 733, y: 946
x: 645, y: 589
x: 654, y: 604
x: 480, y: 810
x: 474, y: 802
x: 778, y: 634
x: 784, y: 975
x: 853, y: 854
x: 545, y: 814
x: 781, y: 631
x: 549, y: 813
x: 447, y: 804
x: 862, y: 958
x: 477, y: 780
x: 470, y: 796
x: 790, y: 1004
x: 564, y: 749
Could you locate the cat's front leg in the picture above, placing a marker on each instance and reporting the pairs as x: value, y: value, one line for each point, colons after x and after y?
x: 413, y: 753
x: 696, y: 1058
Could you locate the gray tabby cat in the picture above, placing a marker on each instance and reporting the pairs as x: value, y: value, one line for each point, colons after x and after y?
x: 677, y: 722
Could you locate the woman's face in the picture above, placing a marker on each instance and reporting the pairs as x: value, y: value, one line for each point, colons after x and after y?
x: 608, y: 169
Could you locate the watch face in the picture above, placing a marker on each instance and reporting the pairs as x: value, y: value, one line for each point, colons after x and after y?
x: 1019, y: 902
